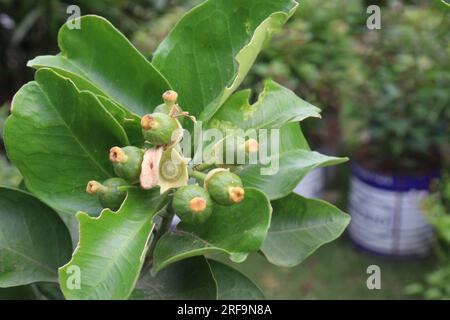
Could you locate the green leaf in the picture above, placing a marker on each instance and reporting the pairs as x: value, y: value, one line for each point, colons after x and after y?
x: 98, y: 58
x: 112, y: 248
x: 292, y: 138
x: 59, y: 138
x: 190, y: 279
x: 18, y: 293
x: 48, y: 291
x: 233, y: 285
x: 235, y: 230
x: 210, y: 51
x: 34, y: 242
x: 130, y: 122
x: 275, y: 107
x: 9, y: 174
x: 284, y: 171
x: 35, y: 291
x: 299, y: 227
x: 445, y: 4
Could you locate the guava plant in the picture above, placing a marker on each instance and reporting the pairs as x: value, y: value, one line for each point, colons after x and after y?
x: 97, y: 135
x: 436, y: 208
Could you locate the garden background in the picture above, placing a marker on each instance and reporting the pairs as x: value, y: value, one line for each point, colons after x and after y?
x: 386, y: 88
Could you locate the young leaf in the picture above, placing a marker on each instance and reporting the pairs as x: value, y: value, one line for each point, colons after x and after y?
x: 299, y: 226
x: 235, y: 230
x: 233, y: 285
x: 209, y: 52
x: 275, y: 107
x: 59, y: 138
x: 112, y: 248
x: 190, y: 279
x: 34, y: 242
x: 292, y: 167
x: 99, y: 56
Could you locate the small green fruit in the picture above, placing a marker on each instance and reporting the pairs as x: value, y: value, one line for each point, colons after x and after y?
x: 192, y: 204
x: 109, y: 194
x: 224, y: 187
x: 158, y: 128
x: 162, y: 108
x: 127, y: 162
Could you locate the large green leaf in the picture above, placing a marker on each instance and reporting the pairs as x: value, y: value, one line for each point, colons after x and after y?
x: 190, y: 279
x: 112, y: 248
x: 292, y: 138
x: 18, y: 293
x: 233, y: 285
x: 299, y: 226
x: 48, y: 291
x: 130, y: 122
x: 275, y: 107
x: 34, y: 242
x: 59, y: 138
x: 279, y: 181
x: 196, y: 279
x: 209, y: 52
x: 35, y: 291
x: 235, y: 230
x: 98, y: 58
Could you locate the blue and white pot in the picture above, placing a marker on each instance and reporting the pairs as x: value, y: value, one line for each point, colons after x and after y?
x: 386, y: 215
x: 312, y: 185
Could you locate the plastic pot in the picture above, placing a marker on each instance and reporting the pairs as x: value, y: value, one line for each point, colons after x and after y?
x: 386, y: 214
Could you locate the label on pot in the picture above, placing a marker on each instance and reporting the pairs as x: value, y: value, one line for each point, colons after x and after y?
x: 386, y: 215
x: 312, y: 185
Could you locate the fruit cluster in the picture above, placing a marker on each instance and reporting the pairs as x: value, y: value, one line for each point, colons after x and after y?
x: 162, y: 165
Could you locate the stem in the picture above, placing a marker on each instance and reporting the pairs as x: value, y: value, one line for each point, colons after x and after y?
x: 197, y: 175
x: 204, y: 166
x: 162, y: 229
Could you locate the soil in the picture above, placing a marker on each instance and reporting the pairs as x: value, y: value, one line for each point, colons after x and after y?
x: 371, y: 159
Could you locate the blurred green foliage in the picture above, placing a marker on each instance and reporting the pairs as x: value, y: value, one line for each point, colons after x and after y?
x: 402, y: 107
x: 436, y: 285
x: 28, y: 28
x: 150, y: 34
x: 316, y: 56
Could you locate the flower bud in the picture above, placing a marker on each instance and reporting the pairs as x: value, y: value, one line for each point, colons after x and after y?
x: 170, y: 97
x: 192, y: 204
x: 224, y: 187
x: 251, y: 146
x: 158, y: 128
x: 95, y: 187
x: 127, y: 162
x: 109, y: 192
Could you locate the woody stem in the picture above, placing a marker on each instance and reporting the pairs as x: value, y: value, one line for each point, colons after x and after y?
x: 197, y: 175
